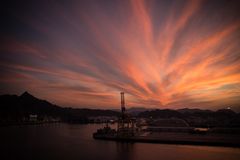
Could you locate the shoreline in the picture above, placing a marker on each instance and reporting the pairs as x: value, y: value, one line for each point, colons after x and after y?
x: 135, y: 140
x: 220, y: 140
x: 28, y: 123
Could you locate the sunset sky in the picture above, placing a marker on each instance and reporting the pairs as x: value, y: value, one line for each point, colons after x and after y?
x: 161, y: 53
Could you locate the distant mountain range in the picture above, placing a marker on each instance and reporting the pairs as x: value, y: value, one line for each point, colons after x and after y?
x: 134, y: 110
x: 16, y: 108
x: 197, y: 117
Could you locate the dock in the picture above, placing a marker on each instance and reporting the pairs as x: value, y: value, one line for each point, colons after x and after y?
x: 177, y: 138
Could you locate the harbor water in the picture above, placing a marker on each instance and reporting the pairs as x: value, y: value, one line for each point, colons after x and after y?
x: 74, y: 141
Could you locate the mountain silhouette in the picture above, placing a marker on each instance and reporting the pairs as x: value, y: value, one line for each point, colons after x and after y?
x: 13, y: 107
x: 16, y: 108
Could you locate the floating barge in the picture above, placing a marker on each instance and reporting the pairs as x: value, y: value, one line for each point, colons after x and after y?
x: 128, y: 132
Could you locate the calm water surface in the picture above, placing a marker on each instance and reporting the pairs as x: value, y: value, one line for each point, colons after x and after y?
x: 65, y: 141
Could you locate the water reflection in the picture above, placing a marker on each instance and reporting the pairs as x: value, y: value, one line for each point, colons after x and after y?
x: 64, y: 141
x: 125, y: 150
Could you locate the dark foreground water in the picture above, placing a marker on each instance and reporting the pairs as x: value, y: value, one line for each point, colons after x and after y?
x: 65, y: 141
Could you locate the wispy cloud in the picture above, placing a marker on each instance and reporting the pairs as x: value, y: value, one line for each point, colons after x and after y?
x: 83, y: 54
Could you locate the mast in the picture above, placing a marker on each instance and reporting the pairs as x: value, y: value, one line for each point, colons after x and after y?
x: 122, y: 104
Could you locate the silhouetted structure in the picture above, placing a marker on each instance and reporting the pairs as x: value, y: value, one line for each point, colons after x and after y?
x: 126, y: 124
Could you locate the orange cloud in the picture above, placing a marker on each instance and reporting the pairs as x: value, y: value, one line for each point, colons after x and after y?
x: 86, y: 54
